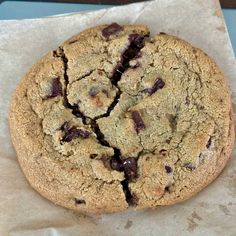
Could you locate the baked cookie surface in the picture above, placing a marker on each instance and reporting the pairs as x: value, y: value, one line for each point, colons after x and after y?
x: 111, y: 119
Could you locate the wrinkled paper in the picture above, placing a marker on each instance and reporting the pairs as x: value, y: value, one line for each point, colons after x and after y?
x: 24, y: 212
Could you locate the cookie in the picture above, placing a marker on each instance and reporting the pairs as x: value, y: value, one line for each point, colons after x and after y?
x: 112, y: 119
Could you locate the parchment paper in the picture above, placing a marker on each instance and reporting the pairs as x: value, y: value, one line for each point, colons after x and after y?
x: 25, y: 212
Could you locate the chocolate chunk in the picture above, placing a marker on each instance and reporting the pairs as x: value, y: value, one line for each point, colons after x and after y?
x: 138, y: 55
x: 65, y: 127
x: 79, y: 201
x: 116, y: 164
x: 168, y: 169
x: 128, y: 165
x: 118, y: 69
x: 159, y: 84
x: 73, y: 133
x: 136, y: 43
x: 189, y: 166
x: 138, y: 121
x: 130, y: 168
x: 93, y: 91
x: 208, y: 143
x: 56, y: 89
x: 112, y: 29
x: 136, y: 40
x: 115, y: 161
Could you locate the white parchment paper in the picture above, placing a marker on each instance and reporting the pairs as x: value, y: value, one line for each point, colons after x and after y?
x: 24, y: 212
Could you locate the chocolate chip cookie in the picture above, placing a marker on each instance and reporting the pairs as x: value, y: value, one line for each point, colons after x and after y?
x: 113, y: 119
